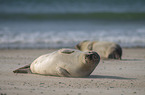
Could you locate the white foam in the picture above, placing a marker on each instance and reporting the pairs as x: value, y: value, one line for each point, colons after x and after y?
x: 69, y: 38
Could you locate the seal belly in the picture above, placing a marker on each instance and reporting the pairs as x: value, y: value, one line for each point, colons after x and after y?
x: 42, y: 65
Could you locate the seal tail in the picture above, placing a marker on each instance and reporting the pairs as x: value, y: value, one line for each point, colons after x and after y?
x: 24, y: 69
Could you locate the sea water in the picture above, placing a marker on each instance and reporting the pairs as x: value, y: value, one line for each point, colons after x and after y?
x: 64, y: 23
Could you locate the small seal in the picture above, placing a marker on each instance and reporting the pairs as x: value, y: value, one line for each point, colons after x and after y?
x: 106, y: 50
x: 64, y: 63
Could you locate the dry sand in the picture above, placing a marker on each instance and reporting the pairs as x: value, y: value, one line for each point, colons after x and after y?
x: 111, y: 77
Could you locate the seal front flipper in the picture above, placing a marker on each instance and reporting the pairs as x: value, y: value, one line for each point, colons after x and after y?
x: 62, y: 72
x: 66, y: 51
x: 24, y: 69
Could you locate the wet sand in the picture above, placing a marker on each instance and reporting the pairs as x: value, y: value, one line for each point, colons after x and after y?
x: 111, y: 77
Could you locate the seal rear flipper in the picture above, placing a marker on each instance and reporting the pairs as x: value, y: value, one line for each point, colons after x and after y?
x: 24, y: 69
x: 27, y: 70
x: 62, y: 72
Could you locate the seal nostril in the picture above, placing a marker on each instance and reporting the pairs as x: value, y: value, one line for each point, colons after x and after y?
x: 95, y: 57
x: 92, y: 57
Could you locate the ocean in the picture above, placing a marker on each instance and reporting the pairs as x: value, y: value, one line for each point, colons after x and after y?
x: 64, y: 23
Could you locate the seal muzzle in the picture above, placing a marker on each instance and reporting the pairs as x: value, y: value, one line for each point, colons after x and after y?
x: 92, y: 57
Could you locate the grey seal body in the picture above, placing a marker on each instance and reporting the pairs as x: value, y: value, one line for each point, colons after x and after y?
x: 106, y: 50
x: 65, y: 62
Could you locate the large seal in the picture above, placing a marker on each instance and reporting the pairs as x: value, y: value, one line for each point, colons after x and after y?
x: 106, y: 50
x: 64, y: 62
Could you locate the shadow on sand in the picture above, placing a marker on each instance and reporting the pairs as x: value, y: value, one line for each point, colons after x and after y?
x: 132, y: 60
x: 109, y: 77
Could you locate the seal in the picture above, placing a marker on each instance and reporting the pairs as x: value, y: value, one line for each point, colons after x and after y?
x: 63, y: 63
x: 106, y: 50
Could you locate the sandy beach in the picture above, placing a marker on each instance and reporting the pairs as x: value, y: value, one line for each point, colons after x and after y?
x: 111, y: 77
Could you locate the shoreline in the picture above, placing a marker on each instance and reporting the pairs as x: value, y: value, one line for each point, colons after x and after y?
x: 111, y: 77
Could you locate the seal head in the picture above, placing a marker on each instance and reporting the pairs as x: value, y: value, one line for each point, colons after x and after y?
x: 92, y: 58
